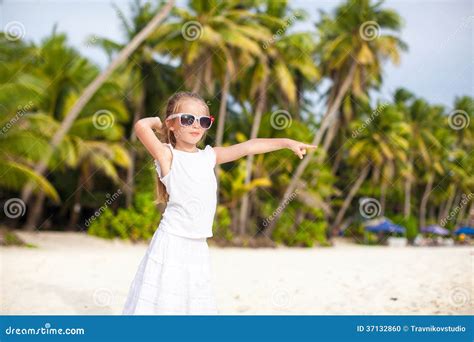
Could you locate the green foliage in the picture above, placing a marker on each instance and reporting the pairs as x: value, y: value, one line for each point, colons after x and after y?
x: 405, y: 141
x: 410, y: 223
x: 356, y: 231
x: 370, y: 238
x: 136, y: 223
x: 308, y: 233
x: 222, y: 223
x: 145, y: 180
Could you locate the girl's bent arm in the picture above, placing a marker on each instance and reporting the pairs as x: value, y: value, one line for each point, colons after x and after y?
x: 144, y: 131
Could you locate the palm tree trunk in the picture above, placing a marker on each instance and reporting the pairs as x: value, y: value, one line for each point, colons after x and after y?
x: 262, y: 99
x: 222, y: 117
x: 444, y: 214
x: 254, y: 208
x: 441, y: 210
x: 76, y: 208
x: 424, y: 200
x: 451, y: 207
x: 234, y: 223
x: 383, y: 196
x: 432, y: 213
x: 408, y: 182
x: 299, y: 217
x: 197, y: 83
x: 469, y: 219
x: 92, y: 88
x: 337, y: 162
x: 407, y: 205
x: 35, y: 213
x: 331, y: 132
x: 326, y: 145
x: 129, y: 189
x: 223, y: 108
x: 462, y: 211
x: 348, y: 199
x: 317, y: 139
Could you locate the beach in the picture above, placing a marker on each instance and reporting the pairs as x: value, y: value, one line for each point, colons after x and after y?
x: 71, y: 273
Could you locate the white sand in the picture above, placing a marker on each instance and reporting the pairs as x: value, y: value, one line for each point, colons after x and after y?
x: 73, y: 273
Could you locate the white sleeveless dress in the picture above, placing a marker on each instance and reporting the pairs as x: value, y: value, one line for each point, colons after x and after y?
x: 175, y: 275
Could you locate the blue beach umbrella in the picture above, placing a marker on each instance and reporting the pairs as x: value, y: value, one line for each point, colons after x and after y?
x: 465, y: 230
x: 435, y: 229
x: 383, y: 224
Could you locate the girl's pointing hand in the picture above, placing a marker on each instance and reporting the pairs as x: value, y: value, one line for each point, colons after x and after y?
x: 299, y: 148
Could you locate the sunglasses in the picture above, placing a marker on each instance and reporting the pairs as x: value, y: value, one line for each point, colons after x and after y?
x: 187, y: 119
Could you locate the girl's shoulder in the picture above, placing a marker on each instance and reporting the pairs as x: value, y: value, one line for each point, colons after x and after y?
x: 210, y: 154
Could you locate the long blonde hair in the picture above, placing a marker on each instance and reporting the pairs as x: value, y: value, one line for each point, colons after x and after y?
x: 172, y: 106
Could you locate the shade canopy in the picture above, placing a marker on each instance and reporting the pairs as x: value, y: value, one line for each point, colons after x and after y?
x: 383, y: 224
x: 435, y: 229
x: 465, y: 230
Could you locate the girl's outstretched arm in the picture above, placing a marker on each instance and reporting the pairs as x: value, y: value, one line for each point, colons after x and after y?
x: 257, y: 146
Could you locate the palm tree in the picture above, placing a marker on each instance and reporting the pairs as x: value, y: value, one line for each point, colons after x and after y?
x: 96, y: 156
x: 465, y: 106
x: 233, y: 188
x: 208, y: 38
x: 213, y: 40
x: 350, y: 56
x: 145, y: 79
x: 437, y: 153
x: 17, y: 152
x: 376, y: 147
x: 459, y: 161
x: 92, y: 88
x: 81, y: 150
x: 288, y: 62
x: 55, y: 74
x: 417, y: 115
x: 468, y: 163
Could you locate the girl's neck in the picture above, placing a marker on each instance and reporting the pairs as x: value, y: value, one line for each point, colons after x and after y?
x: 189, y: 148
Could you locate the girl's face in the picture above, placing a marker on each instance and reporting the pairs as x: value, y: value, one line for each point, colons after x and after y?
x: 188, y: 134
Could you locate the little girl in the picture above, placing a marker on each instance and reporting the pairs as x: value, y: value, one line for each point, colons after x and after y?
x: 174, y: 276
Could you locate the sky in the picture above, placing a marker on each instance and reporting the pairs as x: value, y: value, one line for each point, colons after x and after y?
x: 438, y: 66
